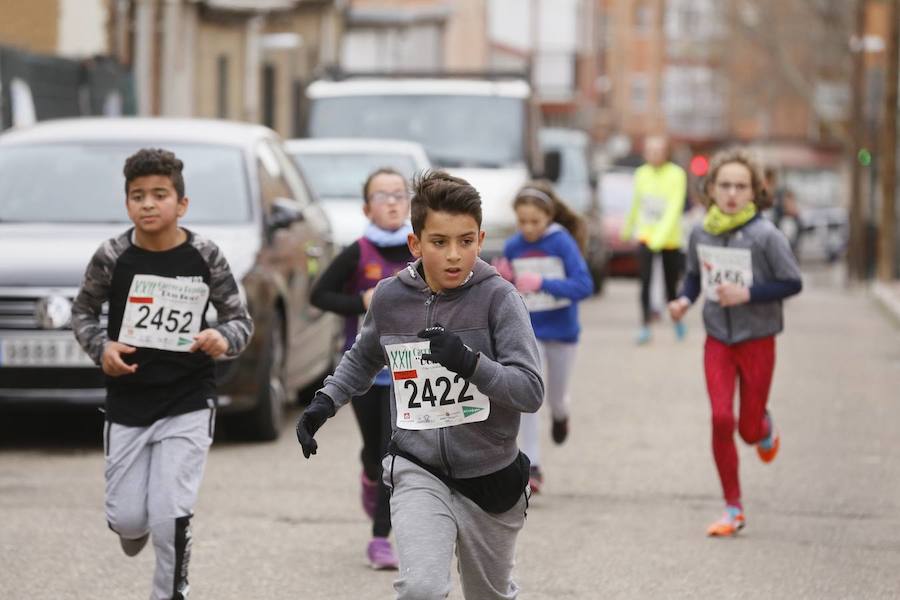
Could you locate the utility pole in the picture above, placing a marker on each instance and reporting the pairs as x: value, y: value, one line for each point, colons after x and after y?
x: 857, y: 244
x: 887, y: 247
x: 534, y: 29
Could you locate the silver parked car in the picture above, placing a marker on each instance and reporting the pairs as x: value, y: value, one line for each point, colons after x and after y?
x: 337, y: 168
x: 62, y: 193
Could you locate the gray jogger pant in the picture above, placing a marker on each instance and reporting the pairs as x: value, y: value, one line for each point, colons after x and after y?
x: 153, y: 476
x: 429, y: 519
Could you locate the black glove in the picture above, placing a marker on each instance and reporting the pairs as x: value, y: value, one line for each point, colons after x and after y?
x: 448, y: 350
x: 319, y: 410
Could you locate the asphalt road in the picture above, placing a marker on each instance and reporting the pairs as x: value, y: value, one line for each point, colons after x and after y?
x: 625, y: 504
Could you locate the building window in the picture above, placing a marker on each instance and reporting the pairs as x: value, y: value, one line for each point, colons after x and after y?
x: 697, y: 20
x: 222, y: 87
x: 639, y: 94
x: 268, y: 96
x: 643, y: 18
x: 694, y: 100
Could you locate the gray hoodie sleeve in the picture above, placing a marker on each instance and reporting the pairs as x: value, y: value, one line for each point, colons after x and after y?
x: 359, y: 365
x: 780, y: 257
x: 513, y: 379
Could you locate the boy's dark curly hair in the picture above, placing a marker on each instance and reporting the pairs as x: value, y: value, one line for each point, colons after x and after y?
x: 155, y: 161
x: 440, y: 191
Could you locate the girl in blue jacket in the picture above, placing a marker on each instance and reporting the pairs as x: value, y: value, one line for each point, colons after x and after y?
x: 544, y: 260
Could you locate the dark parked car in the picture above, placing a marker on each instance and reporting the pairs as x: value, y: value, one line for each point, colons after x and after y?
x: 62, y: 193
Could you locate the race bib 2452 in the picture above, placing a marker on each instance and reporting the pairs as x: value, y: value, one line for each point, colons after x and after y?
x: 163, y: 313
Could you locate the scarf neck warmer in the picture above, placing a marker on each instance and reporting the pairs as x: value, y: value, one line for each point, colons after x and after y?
x: 716, y: 222
x: 384, y: 238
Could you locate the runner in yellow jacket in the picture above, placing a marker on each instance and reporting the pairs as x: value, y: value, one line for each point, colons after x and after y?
x: 660, y: 187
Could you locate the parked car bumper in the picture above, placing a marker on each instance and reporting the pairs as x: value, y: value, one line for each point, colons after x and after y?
x: 85, y: 386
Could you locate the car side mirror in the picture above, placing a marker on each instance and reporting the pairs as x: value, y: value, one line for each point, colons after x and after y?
x: 284, y: 213
x: 552, y: 165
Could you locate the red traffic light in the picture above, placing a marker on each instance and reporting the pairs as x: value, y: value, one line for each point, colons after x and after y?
x: 699, y: 165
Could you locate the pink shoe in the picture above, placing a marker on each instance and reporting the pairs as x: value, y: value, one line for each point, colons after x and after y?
x: 381, y: 554
x: 369, y: 495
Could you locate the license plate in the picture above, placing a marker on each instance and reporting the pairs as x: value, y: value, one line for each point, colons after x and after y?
x: 42, y: 351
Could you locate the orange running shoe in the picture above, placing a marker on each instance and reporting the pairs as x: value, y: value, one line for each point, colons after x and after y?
x: 730, y: 523
x: 768, y: 448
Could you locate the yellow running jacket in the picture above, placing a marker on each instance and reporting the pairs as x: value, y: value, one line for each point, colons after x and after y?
x: 657, y: 207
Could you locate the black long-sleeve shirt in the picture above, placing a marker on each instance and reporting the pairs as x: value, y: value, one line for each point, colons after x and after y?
x: 166, y: 382
x: 329, y: 291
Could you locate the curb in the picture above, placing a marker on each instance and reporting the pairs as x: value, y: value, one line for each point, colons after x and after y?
x: 889, y: 298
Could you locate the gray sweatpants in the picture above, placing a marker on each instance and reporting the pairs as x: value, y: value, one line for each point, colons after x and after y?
x: 153, y: 476
x: 429, y: 519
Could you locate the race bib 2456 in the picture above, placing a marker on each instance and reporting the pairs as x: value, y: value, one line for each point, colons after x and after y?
x: 724, y: 265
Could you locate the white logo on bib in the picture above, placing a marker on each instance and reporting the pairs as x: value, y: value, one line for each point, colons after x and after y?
x: 724, y: 265
x: 652, y: 208
x: 428, y: 395
x: 163, y: 313
x: 548, y: 267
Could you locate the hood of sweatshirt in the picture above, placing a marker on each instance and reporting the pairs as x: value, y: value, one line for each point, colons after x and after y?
x: 412, y: 276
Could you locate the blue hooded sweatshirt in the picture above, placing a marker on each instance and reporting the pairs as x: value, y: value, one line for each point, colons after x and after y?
x: 560, y: 324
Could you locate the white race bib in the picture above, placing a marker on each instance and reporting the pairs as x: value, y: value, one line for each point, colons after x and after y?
x: 548, y: 267
x: 428, y: 395
x: 724, y: 265
x: 652, y: 208
x: 163, y: 313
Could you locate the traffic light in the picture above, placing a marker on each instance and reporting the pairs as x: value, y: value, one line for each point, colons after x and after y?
x: 864, y: 156
x: 699, y: 165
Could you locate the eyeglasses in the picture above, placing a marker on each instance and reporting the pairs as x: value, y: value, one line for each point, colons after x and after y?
x: 726, y: 186
x: 385, y: 197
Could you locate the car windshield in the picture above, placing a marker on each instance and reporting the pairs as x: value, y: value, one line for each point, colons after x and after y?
x: 340, y: 175
x: 83, y: 183
x: 456, y: 131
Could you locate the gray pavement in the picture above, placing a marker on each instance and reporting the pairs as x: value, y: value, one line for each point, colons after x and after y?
x: 626, y: 500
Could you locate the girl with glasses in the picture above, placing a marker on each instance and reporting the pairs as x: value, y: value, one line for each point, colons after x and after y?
x: 346, y: 288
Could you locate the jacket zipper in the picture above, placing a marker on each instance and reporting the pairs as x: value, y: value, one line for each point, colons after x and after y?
x: 442, y: 440
x: 726, y: 308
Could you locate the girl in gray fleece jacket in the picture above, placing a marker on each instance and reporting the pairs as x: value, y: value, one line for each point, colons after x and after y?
x: 464, y: 365
x: 744, y: 266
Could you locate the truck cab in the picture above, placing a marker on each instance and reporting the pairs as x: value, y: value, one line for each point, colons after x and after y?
x: 483, y: 129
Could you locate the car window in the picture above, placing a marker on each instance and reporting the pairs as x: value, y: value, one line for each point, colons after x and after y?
x: 291, y: 176
x: 456, y: 130
x: 342, y: 174
x: 83, y: 183
x: 271, y: 182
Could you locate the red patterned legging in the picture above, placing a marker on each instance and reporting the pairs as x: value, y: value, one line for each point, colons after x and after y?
x: 753, y: 362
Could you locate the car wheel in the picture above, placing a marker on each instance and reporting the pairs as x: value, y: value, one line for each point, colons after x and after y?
x: 264, y: 421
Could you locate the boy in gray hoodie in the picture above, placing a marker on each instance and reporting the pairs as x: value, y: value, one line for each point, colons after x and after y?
x: 464, y: 364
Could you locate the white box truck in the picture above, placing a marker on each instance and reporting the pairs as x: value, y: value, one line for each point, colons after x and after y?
x: 482, y: 128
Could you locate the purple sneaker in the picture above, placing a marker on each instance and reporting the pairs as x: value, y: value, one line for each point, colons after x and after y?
x: 381, y: 554
x: 369, y: 494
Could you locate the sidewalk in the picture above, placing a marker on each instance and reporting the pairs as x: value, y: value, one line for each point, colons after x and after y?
x: 887, y: 294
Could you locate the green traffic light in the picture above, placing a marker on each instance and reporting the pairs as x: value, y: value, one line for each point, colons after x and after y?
x: 864, y: 157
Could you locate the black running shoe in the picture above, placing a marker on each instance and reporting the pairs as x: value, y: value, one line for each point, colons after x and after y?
x: 560, y: 430
x: 133, y: 547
